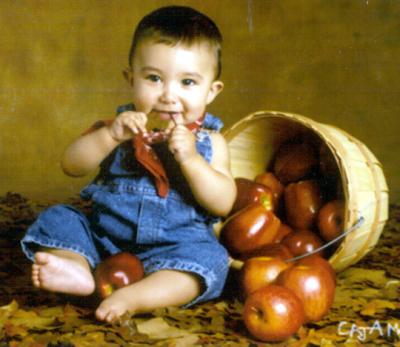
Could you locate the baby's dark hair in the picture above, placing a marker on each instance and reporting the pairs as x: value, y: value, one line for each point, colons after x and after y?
x: 178, y: 24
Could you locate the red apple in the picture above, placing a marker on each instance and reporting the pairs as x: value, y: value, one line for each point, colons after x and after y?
x: 330, y: 220
x: 302, y: 242
x: 283, y: 231
x: 273, y: 313
x: 270, y: 250
x: 269, y: 180
x: 302, y: 202
x: 318, y: 261
x: 248, y: 192
x: 259, y: 272
x: 313, y: 285
x: 248, y: 229
x: 294, y: 160
x: 117, y: 271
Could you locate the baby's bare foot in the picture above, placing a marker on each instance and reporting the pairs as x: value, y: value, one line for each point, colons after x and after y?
x: 159, y: 289
x: 62, y: 275
x: 116, y: 305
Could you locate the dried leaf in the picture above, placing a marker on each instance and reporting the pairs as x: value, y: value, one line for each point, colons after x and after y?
x: 355, y: 275
x: 392, y: 290
x: 222, y: 306
x: 158, y: 328
x: 55, y: 311
x: 218, y: 323
x: 6, y: 311
x: 377, y: 306
x: 29, y: 341
x: 90, y: 340
x: 30, y: 320
x: 12, y: 330
x: 186, y: 341
x: 9, y: 309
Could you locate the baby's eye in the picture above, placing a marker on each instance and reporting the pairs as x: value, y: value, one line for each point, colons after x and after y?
x: 153, y: 78
x: 188, y: 82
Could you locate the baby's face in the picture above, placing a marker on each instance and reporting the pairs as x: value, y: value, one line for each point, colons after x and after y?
x: 174, y: 81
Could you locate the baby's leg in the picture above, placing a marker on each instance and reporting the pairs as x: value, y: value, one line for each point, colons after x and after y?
x: 63, y: 272
x: 160, y: 289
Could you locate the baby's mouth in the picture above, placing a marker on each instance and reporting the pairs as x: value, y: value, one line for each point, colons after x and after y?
x: 168, y: 115
x: 161, y: 121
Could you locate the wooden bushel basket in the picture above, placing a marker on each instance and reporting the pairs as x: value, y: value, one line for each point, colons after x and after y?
x: 361, y: 183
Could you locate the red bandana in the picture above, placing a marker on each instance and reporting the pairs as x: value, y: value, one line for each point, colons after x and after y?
x: 146, y: 155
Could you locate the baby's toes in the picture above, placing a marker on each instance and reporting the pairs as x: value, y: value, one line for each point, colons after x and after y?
x: 101, y: 313
x: 42, y: 258
x: 109, y: 312
x: 35, y: 275
x: 111, y: 317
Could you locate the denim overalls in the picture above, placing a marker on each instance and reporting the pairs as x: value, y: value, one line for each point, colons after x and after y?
x: 128, y: 215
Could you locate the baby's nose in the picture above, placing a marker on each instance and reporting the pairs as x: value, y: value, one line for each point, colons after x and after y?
x: 169, y: 94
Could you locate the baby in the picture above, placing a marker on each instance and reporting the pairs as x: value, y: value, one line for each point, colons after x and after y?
x: 156, y: 200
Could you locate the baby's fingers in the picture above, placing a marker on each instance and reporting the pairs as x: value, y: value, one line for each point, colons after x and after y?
x: 136, y: 122
x: 177, y: 119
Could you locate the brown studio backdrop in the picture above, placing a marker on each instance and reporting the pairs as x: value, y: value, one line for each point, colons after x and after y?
x: 61, y: 61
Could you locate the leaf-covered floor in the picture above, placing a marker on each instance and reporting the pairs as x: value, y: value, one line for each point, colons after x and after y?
x: 366, y: 310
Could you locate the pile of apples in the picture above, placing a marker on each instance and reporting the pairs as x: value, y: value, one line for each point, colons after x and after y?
x: 278, y: 224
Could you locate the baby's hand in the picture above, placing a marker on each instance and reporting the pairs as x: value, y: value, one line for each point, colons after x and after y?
x: 127, y: 125
x: 182, y: 143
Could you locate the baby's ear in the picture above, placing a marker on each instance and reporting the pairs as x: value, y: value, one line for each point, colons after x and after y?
x: 128, y: 75
x: 215, y: 89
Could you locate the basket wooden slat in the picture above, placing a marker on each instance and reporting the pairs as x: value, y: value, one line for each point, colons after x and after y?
x: 254, y: 139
